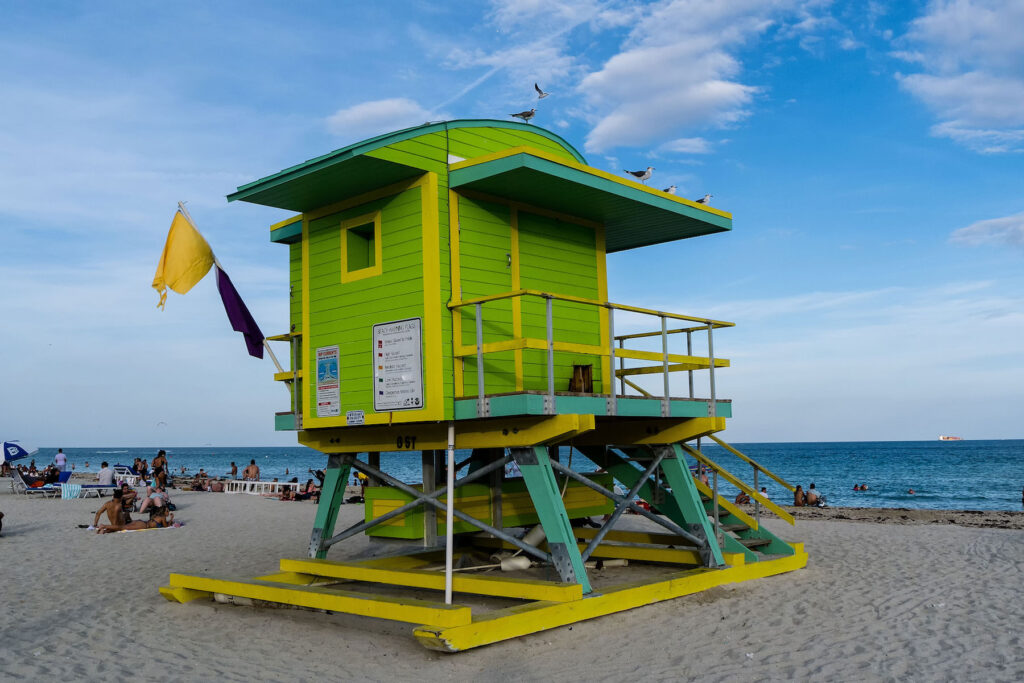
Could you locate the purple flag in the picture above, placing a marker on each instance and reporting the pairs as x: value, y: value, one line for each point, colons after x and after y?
x: 238, y: 314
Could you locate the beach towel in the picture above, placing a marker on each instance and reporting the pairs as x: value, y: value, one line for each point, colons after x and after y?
x: 69, y: 491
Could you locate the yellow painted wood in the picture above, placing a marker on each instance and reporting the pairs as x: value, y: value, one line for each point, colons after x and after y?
x: 287, y: 376
x: 495, y: 585
x: 692, y: 362
x: 637, y: 387
x: 332, y: 599
x: 700, y: 364
x: 512, y: 151
x: 622, y: 536
x: 183, y: 595
x: 525, y: 619
x: 453, y: 255
x: 756, y: 464
x: 728, y: 505
x: 517, y: 303
x: 650, y: 431
x: 436, y: 366
x: 740, y: 484
x: 378, y: 249
x: 293, y: 578
x: 286, y: 222
x: 466, y: 351
x: 533, y: 430
x: 286, y: 337
x: 365, y: 198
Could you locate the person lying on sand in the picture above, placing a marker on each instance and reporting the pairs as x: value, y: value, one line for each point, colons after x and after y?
x: 155, y: 522
x: 114, y: 510
x: 742, y: 498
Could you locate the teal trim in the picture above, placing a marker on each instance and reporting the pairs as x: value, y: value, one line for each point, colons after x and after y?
x: 332, y: 495
x: 533, y: 404
x: 687, y: 497
x: 288, y: 234
x: 632, y: 217
x: 535, y: 465
x: 252, y: 191
x: 285, y: 422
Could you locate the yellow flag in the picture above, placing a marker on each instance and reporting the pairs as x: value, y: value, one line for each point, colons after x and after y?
x: 186, y: 259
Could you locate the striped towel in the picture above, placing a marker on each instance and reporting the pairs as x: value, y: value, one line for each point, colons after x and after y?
x: 69, y: 491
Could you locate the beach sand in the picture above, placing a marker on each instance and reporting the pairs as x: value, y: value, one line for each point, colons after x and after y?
x: 908, y: 601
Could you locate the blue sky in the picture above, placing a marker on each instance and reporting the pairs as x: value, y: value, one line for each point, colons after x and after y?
x: 871, y: 154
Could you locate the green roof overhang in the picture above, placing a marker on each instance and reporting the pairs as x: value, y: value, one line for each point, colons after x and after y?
x: 633, y: 215
x: 349, y: 171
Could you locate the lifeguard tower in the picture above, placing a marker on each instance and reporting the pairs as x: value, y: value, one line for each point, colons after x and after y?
x: 448, y: 291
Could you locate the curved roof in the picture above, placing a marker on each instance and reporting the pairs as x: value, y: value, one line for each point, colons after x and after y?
x: 260, y: 191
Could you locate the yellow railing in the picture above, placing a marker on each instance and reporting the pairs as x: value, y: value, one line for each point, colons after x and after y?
x: 292, y: 377
x: 667, y: 363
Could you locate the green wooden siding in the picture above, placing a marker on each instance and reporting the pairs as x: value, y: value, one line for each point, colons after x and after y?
x: 345, y: 314
x: 560, y: 258
x: 485, y: 242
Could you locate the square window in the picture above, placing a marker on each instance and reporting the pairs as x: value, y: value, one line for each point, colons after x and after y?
x: 360, y: 248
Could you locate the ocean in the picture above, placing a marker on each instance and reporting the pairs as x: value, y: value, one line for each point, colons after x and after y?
x: 954, y: 475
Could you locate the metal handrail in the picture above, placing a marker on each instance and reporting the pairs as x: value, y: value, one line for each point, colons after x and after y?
x: 593, y: 302
x: 668, y: 362
x: 758, y: 467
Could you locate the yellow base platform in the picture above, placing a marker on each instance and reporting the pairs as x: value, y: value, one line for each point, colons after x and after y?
x: 310, y: 583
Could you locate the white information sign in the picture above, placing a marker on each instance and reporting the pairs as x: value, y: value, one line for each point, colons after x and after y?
x: 398, y: 365
x: 355, y: 417
x: 328, y: 397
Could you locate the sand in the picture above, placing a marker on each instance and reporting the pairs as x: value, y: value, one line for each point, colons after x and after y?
x: 919, y: 601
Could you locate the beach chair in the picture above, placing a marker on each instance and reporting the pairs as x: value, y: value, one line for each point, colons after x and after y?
x: 126, y: 474
x: 19, y: 485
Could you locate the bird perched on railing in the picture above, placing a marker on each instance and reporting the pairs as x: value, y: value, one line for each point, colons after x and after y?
x: 671, y: 189
x: 540, y: 93
x: 641, y: 175
x: 704, y: 199
x: 525, y: 115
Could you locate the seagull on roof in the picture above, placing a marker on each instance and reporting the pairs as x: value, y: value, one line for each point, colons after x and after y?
x: 525, y: 115
x: 641, y: 175
x: 540, y: 93
x: 671, y: 189
x: 704, y: 199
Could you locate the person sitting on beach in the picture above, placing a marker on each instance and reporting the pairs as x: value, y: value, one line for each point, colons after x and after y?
x: 114, y: 510
x: 158, y: 499
x: 128, y: 498
x: 251, y: 473
x: 814, y: 497
x: 200, y: 481
x: 742, y: 498
x: 289, y: 493
x: 799, y: 499
x: 764, y: 492
x: 105, y: 477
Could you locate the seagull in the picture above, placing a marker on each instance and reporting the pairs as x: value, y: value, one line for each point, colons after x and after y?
x: 540, y: 93
x: 641, y: 175
x: 704, y: 199
x: 525, y: 115
x: 671, y: 189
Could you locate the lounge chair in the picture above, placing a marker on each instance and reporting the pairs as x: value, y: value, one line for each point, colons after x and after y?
x: 19, y: 485
x: 127, y: 474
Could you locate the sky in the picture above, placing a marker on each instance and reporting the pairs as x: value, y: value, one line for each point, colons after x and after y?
x: 870, y: 153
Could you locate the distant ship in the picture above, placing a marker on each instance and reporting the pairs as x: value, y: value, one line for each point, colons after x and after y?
x: 950, y: 438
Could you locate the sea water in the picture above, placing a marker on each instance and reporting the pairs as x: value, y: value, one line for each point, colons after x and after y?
x: 952, y: 475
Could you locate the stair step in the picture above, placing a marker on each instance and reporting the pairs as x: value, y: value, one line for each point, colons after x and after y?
x: 734, y: 527
x: 755, y: 542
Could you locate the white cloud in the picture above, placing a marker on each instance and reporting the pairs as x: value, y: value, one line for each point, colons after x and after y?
x: 687, y: 146
x: 367, y: 119
x: 1008, y: 230
x: 972, y: 61
x: 678, y: 70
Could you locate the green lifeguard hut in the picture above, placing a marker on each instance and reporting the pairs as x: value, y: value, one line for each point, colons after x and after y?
x: 448, y: 291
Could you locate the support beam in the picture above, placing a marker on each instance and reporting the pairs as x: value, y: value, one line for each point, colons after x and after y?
x: 535, y: 465
x: 332, y: 495
x: 679, y: 479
